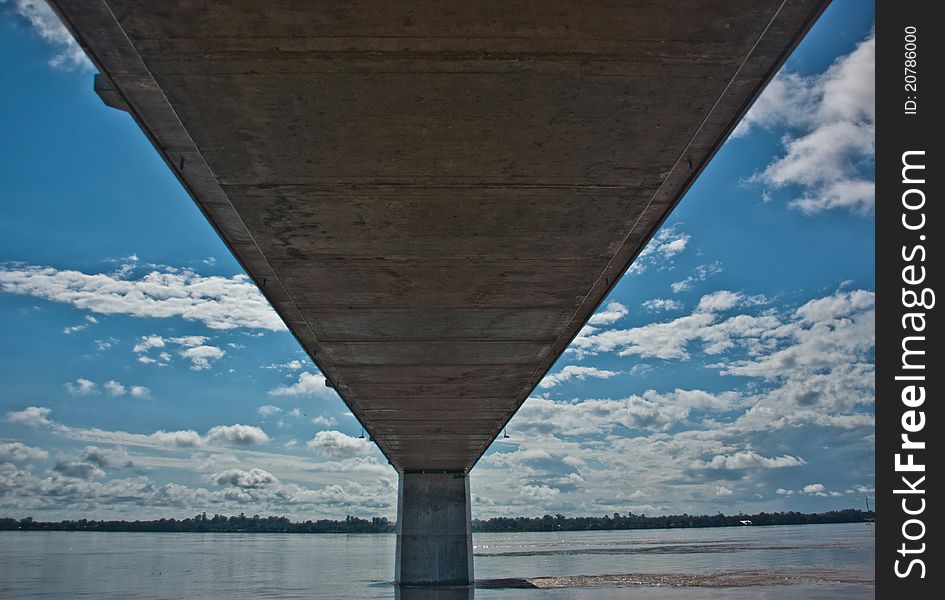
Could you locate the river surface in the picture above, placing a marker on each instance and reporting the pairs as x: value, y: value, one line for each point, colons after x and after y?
x: 789, y: 562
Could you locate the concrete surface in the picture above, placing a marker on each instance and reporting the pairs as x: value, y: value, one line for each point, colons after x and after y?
x: 434, y: 532
x: 436, y: 196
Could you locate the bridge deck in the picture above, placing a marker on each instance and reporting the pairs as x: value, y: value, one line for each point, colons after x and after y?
x: 436, y: 196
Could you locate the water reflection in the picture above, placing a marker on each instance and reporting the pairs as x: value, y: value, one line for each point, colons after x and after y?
x: 434, y: 593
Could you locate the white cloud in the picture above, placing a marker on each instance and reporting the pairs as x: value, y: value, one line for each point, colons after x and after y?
x: 78, y: 470
x: 189, y: 341
x: 267, y: 410
x: 574, y: 372
x: 217, y: 302
x: 20, y: 452
x: 670, y: 339
x: 89, y: 320
x: 833, y: 115
x: 107, y: 457
x: 182, y: 439
x: 104, y: 344
x: 812, y: 489
x: 292, y: 365
x: 114, y: 388
x: 308, y: 384
x: 32, y: 415
x: 652, y: 411
x: 338, y: 444
x: 662, y: 305
x: 721, y: 300
x: 148, y: 342
x: 539, y: 492
x: 613, y: 312
x: 750, y: 460
x: 201, y: 356
x: 660, y: 250
x: 253, y: 478
x: 85, y: 387
x: 323, y: 421
x: 239, y: 435
x: 81, y: 387
x: 833, y: 332
x: 68, y: 55
x: 701, y: 273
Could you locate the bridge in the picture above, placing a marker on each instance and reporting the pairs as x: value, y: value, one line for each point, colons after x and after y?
x: 435, y: 197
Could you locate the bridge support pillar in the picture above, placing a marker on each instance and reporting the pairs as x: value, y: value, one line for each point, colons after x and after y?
x: 434, y: 529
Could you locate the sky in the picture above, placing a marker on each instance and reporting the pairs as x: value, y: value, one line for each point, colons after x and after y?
x: 142, y: 375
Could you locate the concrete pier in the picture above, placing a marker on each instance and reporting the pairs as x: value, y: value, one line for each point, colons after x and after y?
x: 434, y: 530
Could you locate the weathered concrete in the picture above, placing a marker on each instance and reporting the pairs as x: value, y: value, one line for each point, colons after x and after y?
x: 435, y: 197
x: 434, y: 532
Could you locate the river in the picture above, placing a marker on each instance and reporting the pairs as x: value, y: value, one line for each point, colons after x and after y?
x: 786, y: 562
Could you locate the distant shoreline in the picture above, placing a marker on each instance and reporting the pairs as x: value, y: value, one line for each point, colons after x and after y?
x: 273, y: 524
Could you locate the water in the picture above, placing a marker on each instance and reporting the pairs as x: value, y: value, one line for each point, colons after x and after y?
x: 812, y: 561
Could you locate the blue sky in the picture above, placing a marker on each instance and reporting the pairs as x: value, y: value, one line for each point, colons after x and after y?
x: 142, y: 375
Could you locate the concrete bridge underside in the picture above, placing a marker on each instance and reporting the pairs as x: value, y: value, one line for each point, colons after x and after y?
x: 435, y: 197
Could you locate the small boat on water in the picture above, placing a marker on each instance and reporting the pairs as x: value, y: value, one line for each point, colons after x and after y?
x: 745, y: 522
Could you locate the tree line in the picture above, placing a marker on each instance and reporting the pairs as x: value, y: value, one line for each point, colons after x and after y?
x: 273, y: 524
x: 632, y: 521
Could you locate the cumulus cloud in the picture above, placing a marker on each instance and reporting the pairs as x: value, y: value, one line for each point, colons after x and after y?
x: 239, y: 435
x: 200, y: 357
x: 217, y: 302
x: 31, y: 415
x: 836, y: 331
x: 652, y: 411
x: 62, y: 495
x: 323, y: 421
x: 662, y: 305
x: 78, y: 470
x: 574, y: 372
x: 67, y: 56
x: 670, y: 340
x: 189, y: 341
x: 832, y: 118
x: 308, y: 384
x: 253, y: 478
x: 20, y: 452
x: 613, y: 312
x: 81, y: 387
x: 539, y: 492
x: 813, y: 489
x: 147, y: 343
x: 221, y: 435
x: 701, y: 273
x: 805, y: 383
x: 182, y: 439
x: 89, y: 320
x: 750, y: 460
x: 666, y: 340
x: 292, y: 365
x: 267, y: 410
x: 86, y: 387
x: 107, y: 457
x: 113, y: 388
x: 338, y: 444
x: 660, y: 250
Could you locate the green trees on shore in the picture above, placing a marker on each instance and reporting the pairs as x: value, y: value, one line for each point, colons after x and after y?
x: 272, y: 524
